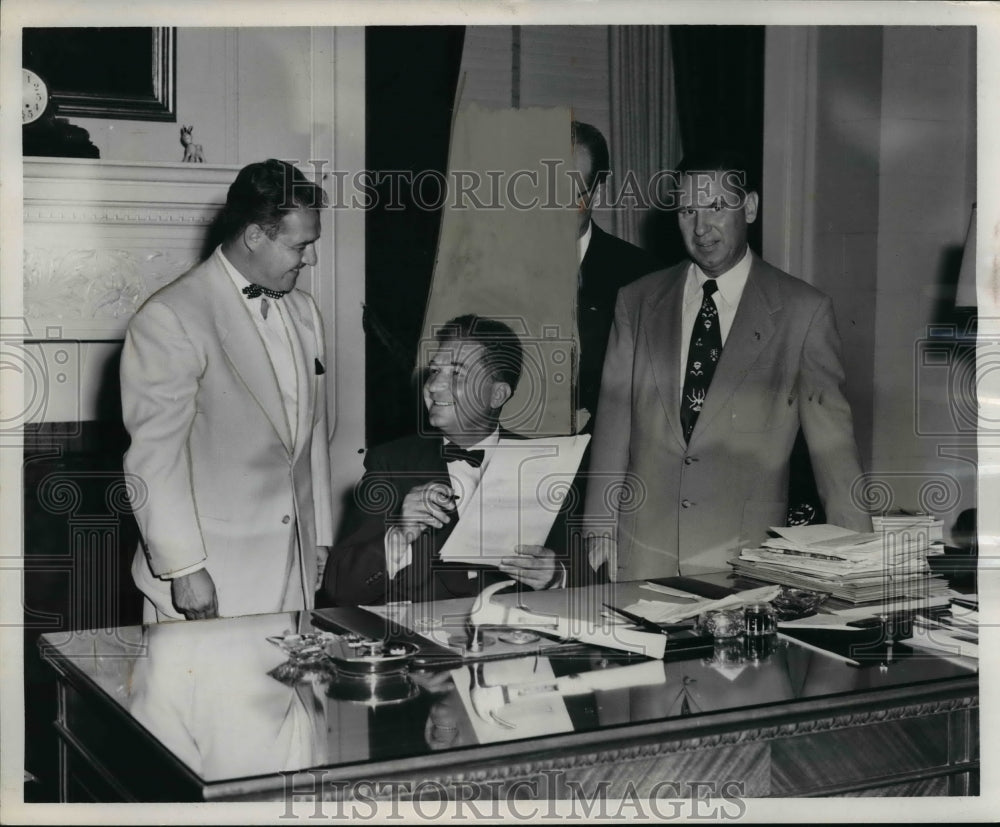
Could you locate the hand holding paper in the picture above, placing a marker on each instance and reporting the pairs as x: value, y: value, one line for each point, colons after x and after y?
x: 534, y: 566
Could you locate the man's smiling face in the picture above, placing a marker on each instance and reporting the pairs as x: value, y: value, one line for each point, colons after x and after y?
x: 278, y: 261
x: 713, y: 220
x: 462, y: 396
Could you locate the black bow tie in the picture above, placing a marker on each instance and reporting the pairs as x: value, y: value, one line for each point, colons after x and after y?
x: 453, y: 453
x: 252, y: 291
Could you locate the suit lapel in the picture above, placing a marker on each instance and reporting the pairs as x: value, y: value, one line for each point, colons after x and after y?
x: 245, y: 350
x: 753, y: 326
x: 663, y: 342
x: 302, y: 334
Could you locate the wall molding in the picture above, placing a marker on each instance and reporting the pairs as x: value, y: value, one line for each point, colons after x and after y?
x: 119, y: 214
x: 101, y: 236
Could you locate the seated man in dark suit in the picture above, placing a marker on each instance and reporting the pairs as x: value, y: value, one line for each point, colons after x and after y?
x: 414, y: 489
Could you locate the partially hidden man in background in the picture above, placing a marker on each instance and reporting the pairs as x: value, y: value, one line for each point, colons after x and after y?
x: 415, y: 489
x: 606, y: 263
x: 224, y: 395
x: 712, y: 366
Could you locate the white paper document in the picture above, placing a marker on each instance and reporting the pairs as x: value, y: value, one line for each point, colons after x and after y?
x: 823, y: 536
x: 661, y: 612
x: 517, y: 500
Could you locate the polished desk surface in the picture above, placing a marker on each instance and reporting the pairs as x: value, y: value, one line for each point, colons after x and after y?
x: 203, y: 690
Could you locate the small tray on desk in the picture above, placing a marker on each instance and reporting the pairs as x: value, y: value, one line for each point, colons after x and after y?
x: 358, y: 621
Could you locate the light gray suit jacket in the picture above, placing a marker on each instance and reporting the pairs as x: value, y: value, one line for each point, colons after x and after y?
x: 221, y: 478
x: 688, y: 508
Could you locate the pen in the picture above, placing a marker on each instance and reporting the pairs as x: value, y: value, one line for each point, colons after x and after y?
x: 648, y: 625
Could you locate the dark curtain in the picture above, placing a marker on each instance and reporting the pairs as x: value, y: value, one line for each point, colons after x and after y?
x: 719, y: 81
x: 411, y: 74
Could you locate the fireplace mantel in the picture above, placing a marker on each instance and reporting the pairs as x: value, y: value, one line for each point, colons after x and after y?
x: 101, y: 236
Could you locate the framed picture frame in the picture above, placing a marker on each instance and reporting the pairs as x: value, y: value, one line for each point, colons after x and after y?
x: 101, y: 72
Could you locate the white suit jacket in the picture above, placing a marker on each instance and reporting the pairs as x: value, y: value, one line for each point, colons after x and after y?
x: 218, y: 477
x: 688, y: 508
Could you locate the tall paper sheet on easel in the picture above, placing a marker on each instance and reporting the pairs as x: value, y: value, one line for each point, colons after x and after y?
x: 518, y: 499
x: 507, y: 250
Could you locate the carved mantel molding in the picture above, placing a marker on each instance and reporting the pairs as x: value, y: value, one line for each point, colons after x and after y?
x: 101, y: 236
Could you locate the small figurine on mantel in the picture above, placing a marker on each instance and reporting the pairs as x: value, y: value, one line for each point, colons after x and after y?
x: 192, y: 151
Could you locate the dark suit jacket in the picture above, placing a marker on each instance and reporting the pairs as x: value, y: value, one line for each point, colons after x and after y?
x: 356, y: 573
x: 609, y: 265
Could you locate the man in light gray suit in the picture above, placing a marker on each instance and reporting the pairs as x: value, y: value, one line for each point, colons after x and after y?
x: 712, y: 366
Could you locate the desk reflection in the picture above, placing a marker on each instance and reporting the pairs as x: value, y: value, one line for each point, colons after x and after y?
x: 206, y: 690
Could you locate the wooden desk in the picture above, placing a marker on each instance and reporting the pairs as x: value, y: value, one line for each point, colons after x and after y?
x: 187, y: 711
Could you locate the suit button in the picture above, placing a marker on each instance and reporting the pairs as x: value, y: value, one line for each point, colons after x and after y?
x: 685, y: 503
x: 286, y: 519
x: 688, y: 460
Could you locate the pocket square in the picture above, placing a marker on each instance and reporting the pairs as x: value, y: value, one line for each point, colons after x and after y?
x: 320, y: 370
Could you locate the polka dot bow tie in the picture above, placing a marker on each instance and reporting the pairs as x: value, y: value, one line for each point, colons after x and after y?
x: 252, y: 291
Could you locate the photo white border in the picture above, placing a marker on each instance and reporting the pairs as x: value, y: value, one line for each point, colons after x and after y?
x: 17, y: 13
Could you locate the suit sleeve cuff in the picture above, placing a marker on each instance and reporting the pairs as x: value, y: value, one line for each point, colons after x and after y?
x: 173, y: 575
x: 398, y: 553
x: 559, y: 579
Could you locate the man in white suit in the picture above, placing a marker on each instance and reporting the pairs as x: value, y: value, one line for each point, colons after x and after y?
x: 224, y: 395
x: 712, y: 366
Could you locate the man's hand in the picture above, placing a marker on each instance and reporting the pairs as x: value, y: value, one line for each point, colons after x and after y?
x: 601, y: 549
x: 194, y: 595
x: 534, y: 566
x: 322, y: 555
x: 425, y: 506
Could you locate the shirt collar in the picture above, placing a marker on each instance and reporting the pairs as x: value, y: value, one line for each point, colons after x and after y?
x: 583, y: 242
x: 730, y: 283
x: 485, y: 444
x: 235, y: 275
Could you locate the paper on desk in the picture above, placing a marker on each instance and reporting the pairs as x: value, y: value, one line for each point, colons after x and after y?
x: 517, y: 501
x: 661, y: 612
x: 606, y: 631
x: 939, y: 640
x: 661, y: 589
x: 824, y: 534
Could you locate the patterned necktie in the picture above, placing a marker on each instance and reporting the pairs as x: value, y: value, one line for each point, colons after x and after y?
x: 703, y: 356
x: 452, y: 453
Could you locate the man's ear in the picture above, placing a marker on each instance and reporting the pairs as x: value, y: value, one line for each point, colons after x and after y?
x: 253, y: 236
x: 750, y: 207
x: 499, y: 395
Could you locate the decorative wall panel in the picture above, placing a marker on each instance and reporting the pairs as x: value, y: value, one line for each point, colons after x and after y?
x: 100, y: 237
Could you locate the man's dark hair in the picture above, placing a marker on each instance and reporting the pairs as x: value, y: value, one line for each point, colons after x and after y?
x: 721, y: 159
x: 503, y: 352
x: 263, y: 193
x: 591, y: 138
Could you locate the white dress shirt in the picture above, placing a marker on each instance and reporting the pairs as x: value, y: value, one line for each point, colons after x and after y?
x: 274, y: 332
x: 726, y: 298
